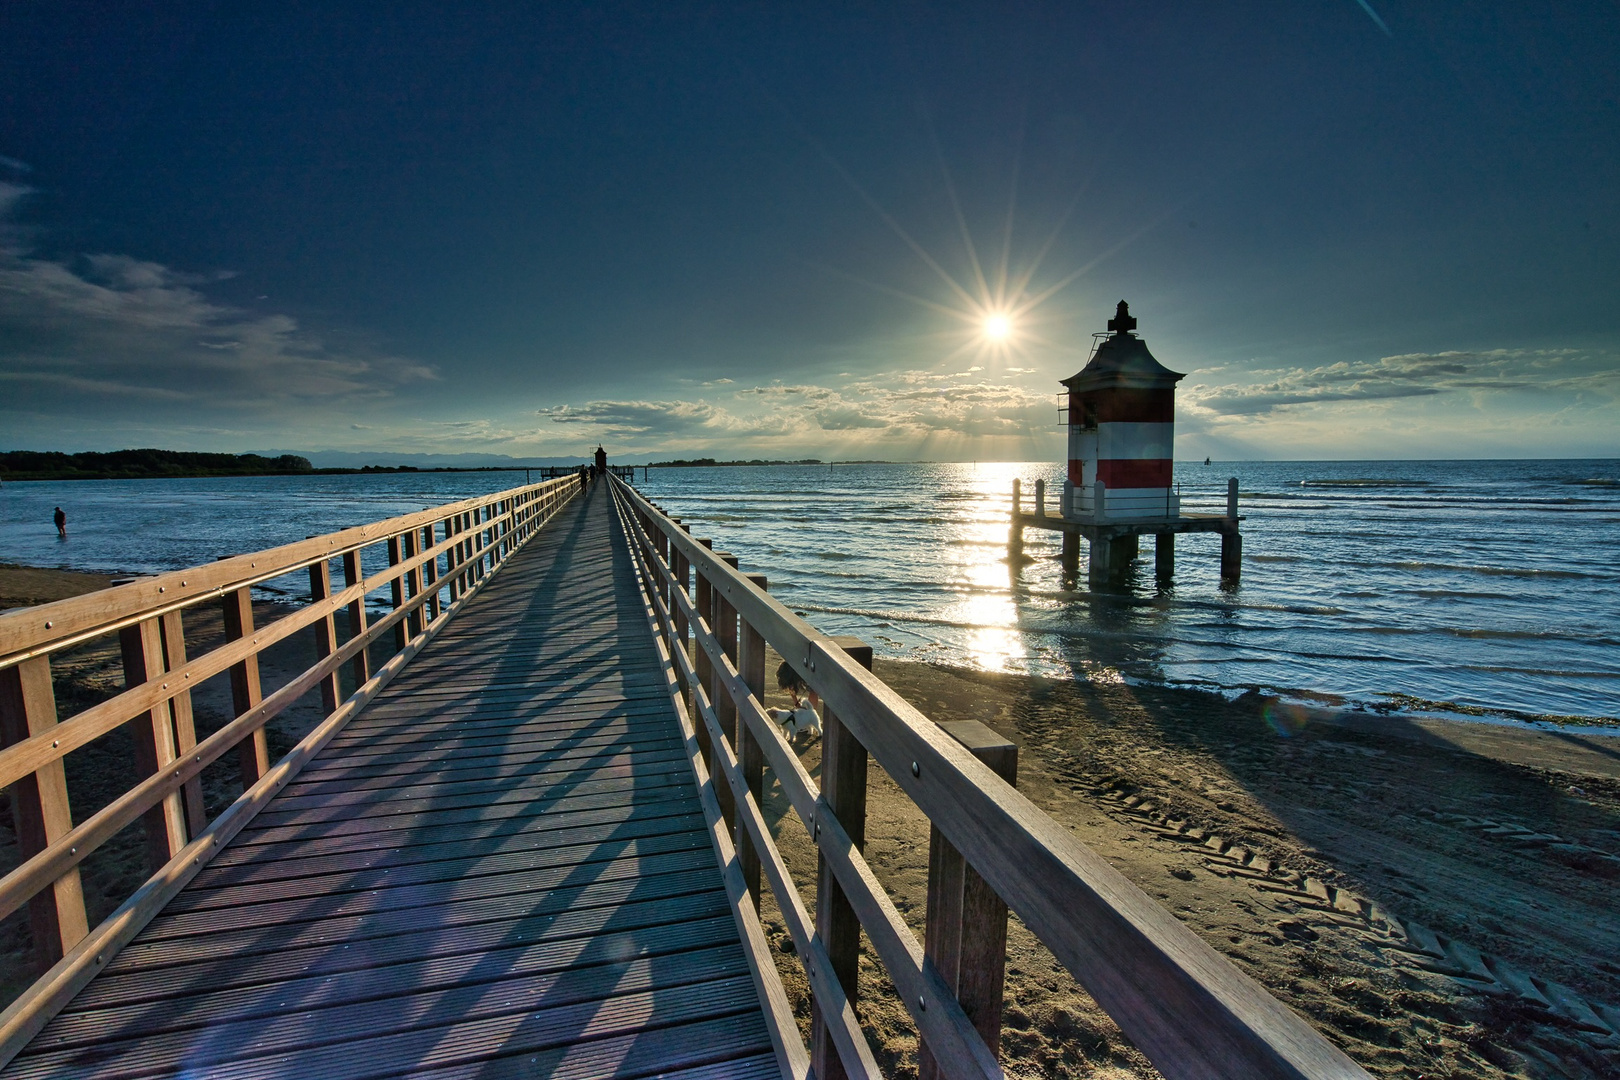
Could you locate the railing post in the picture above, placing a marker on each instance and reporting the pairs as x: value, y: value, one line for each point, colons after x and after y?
x: 142, y: 648
x: 843, y: 787
x: 430, y: 577
x: 723, y: 621
x: 396, y: 590
x: 40, y: 811
x: 320, y: 587
x: 253, y: 752
x: 682, y: 569
x: 702, y: 600
x: 413, y: 583
x: 464, y: 548
x: 966, y: 928
x: 353, y: 574
x: 660, y: 545
x: 751, y: 759
x: 185, y: 727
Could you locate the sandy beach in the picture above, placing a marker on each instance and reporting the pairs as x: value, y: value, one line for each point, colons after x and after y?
x: 1435, y: 896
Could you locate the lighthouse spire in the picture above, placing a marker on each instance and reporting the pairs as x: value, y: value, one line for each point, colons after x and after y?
x: 1122, y: 322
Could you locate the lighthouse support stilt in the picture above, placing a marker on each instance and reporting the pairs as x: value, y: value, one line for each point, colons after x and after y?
x: 1164, y: 557
x: 1071, y: 556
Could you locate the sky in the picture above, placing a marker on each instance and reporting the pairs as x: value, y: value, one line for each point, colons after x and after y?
x: 843, y: 231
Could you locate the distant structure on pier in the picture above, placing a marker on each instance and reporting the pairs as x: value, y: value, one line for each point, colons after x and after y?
x: 1119, y: 484
x: 1122, y: 408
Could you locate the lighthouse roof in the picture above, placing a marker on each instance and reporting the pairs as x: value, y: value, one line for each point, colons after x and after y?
x: 1123, y: 361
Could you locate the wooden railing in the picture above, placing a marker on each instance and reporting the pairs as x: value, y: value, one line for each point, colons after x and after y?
x: 1183, y: 1004
x: 435, y: 561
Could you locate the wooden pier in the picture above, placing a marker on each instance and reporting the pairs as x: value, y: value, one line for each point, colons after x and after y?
x: 526, y: 838
x: 1114, y: 542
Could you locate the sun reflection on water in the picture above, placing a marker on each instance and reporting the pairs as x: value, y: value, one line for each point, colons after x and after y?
x: 979, y: 540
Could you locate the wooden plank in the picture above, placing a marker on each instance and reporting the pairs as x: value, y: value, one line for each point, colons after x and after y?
x: 160, y: 1007
x: 299, y: 1026
x: 40, y: 811
x: 604, y: 794
x: 420, y: 864
x: 501, y: 944
x: 429, y: 829
x: 323, y: 1001
x: 384, y: 900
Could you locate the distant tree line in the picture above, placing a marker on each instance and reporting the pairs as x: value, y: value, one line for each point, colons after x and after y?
x: 142, y: 464
x: 683, y: 463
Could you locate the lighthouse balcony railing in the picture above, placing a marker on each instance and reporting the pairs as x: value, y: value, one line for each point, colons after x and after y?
x: 1124, y: 504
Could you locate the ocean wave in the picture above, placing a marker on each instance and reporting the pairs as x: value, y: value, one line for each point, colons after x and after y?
x: 1364, y: 482
x: 1489, y: 571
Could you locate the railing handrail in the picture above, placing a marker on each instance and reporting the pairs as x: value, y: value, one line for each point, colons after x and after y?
x: 1184, y: 1005
x: 30, y: 631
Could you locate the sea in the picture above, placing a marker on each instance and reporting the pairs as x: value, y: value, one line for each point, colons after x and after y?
x: 1482, y: 589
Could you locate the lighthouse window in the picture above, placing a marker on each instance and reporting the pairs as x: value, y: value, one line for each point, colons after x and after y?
x: 1088, y: 415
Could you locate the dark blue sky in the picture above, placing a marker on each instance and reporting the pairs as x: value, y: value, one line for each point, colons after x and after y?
x: 518, y: 229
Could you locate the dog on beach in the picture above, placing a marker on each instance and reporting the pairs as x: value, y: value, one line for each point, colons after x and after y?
x: 802, y: 718
x: 795, y: 722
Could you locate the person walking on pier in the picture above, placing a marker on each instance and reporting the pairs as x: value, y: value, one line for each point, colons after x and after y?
x: 61, y: 523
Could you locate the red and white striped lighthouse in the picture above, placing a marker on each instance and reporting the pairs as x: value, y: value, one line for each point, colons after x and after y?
x: 1122, y: 408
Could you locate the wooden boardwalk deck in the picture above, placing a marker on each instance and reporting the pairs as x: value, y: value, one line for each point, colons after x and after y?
x: 499, y: 868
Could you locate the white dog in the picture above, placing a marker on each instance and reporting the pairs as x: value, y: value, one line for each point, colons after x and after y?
x: 796, y: 722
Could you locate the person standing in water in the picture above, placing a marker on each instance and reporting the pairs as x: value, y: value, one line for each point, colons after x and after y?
x: 61, y: 523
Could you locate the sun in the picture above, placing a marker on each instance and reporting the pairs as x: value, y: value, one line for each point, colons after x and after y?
x: 997, y: 327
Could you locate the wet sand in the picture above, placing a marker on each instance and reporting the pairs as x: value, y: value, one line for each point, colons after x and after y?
x: 22, y: 586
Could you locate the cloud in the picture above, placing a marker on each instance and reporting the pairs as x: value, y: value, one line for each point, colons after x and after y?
x: 76, y: 332
x: 1411, y: 375
x: 893, y: 409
